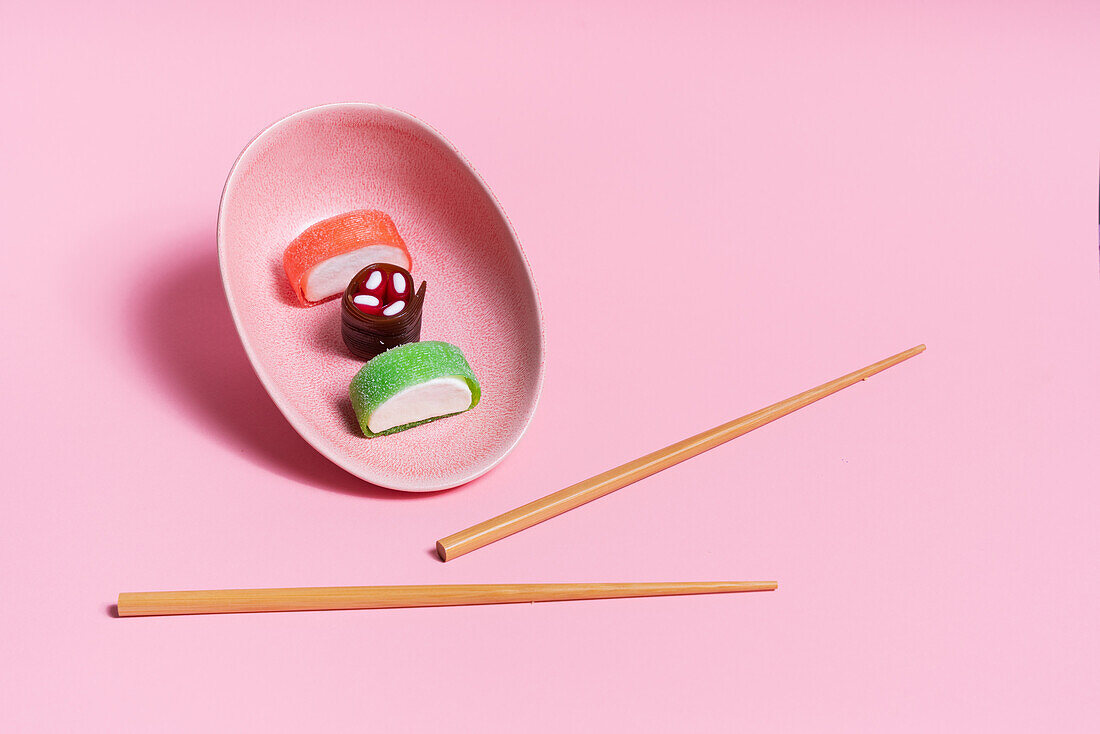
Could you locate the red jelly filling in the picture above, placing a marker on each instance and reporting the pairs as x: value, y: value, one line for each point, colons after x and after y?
x: 383, y: 293
x: 398, y: 288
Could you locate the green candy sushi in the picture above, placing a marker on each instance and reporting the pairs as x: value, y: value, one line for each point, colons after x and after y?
x: 412, y: 384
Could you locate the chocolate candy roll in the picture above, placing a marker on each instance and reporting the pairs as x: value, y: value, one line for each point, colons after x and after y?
x: 379, y: 314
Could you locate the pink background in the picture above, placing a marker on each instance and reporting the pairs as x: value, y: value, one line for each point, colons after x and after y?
x: 722, y: 205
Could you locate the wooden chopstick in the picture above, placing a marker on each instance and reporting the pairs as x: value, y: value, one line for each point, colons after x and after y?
x: 555, y: 504
x: 150, y: 603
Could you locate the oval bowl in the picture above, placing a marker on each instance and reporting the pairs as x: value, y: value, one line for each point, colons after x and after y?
x: 481, y: 296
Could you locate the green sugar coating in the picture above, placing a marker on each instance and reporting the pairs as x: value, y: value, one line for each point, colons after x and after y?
x: 402, y: 367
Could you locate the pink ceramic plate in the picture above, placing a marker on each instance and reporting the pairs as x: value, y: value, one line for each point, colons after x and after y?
x: 481, y: 296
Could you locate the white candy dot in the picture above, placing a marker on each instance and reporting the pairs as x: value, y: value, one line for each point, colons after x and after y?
x: 399, y: 282
x: 367, y: 300
x: 393, y: 308
x: 373, y: 280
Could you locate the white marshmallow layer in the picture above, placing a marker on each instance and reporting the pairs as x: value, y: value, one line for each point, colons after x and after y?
x: 441, y: 396
x: 332, y: 276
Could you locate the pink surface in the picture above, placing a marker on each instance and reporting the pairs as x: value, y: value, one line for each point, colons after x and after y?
x: 338, y: 158
x: 845, y: 182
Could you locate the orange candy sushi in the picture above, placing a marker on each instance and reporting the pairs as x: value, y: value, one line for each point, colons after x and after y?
x: 323, y: 259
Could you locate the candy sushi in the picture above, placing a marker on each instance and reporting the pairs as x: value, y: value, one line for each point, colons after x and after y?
x: 380, y: 310
x: 322, y: 259
x: 410, y: 385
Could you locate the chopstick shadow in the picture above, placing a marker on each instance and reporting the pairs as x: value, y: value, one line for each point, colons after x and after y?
x: 183, y: 332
